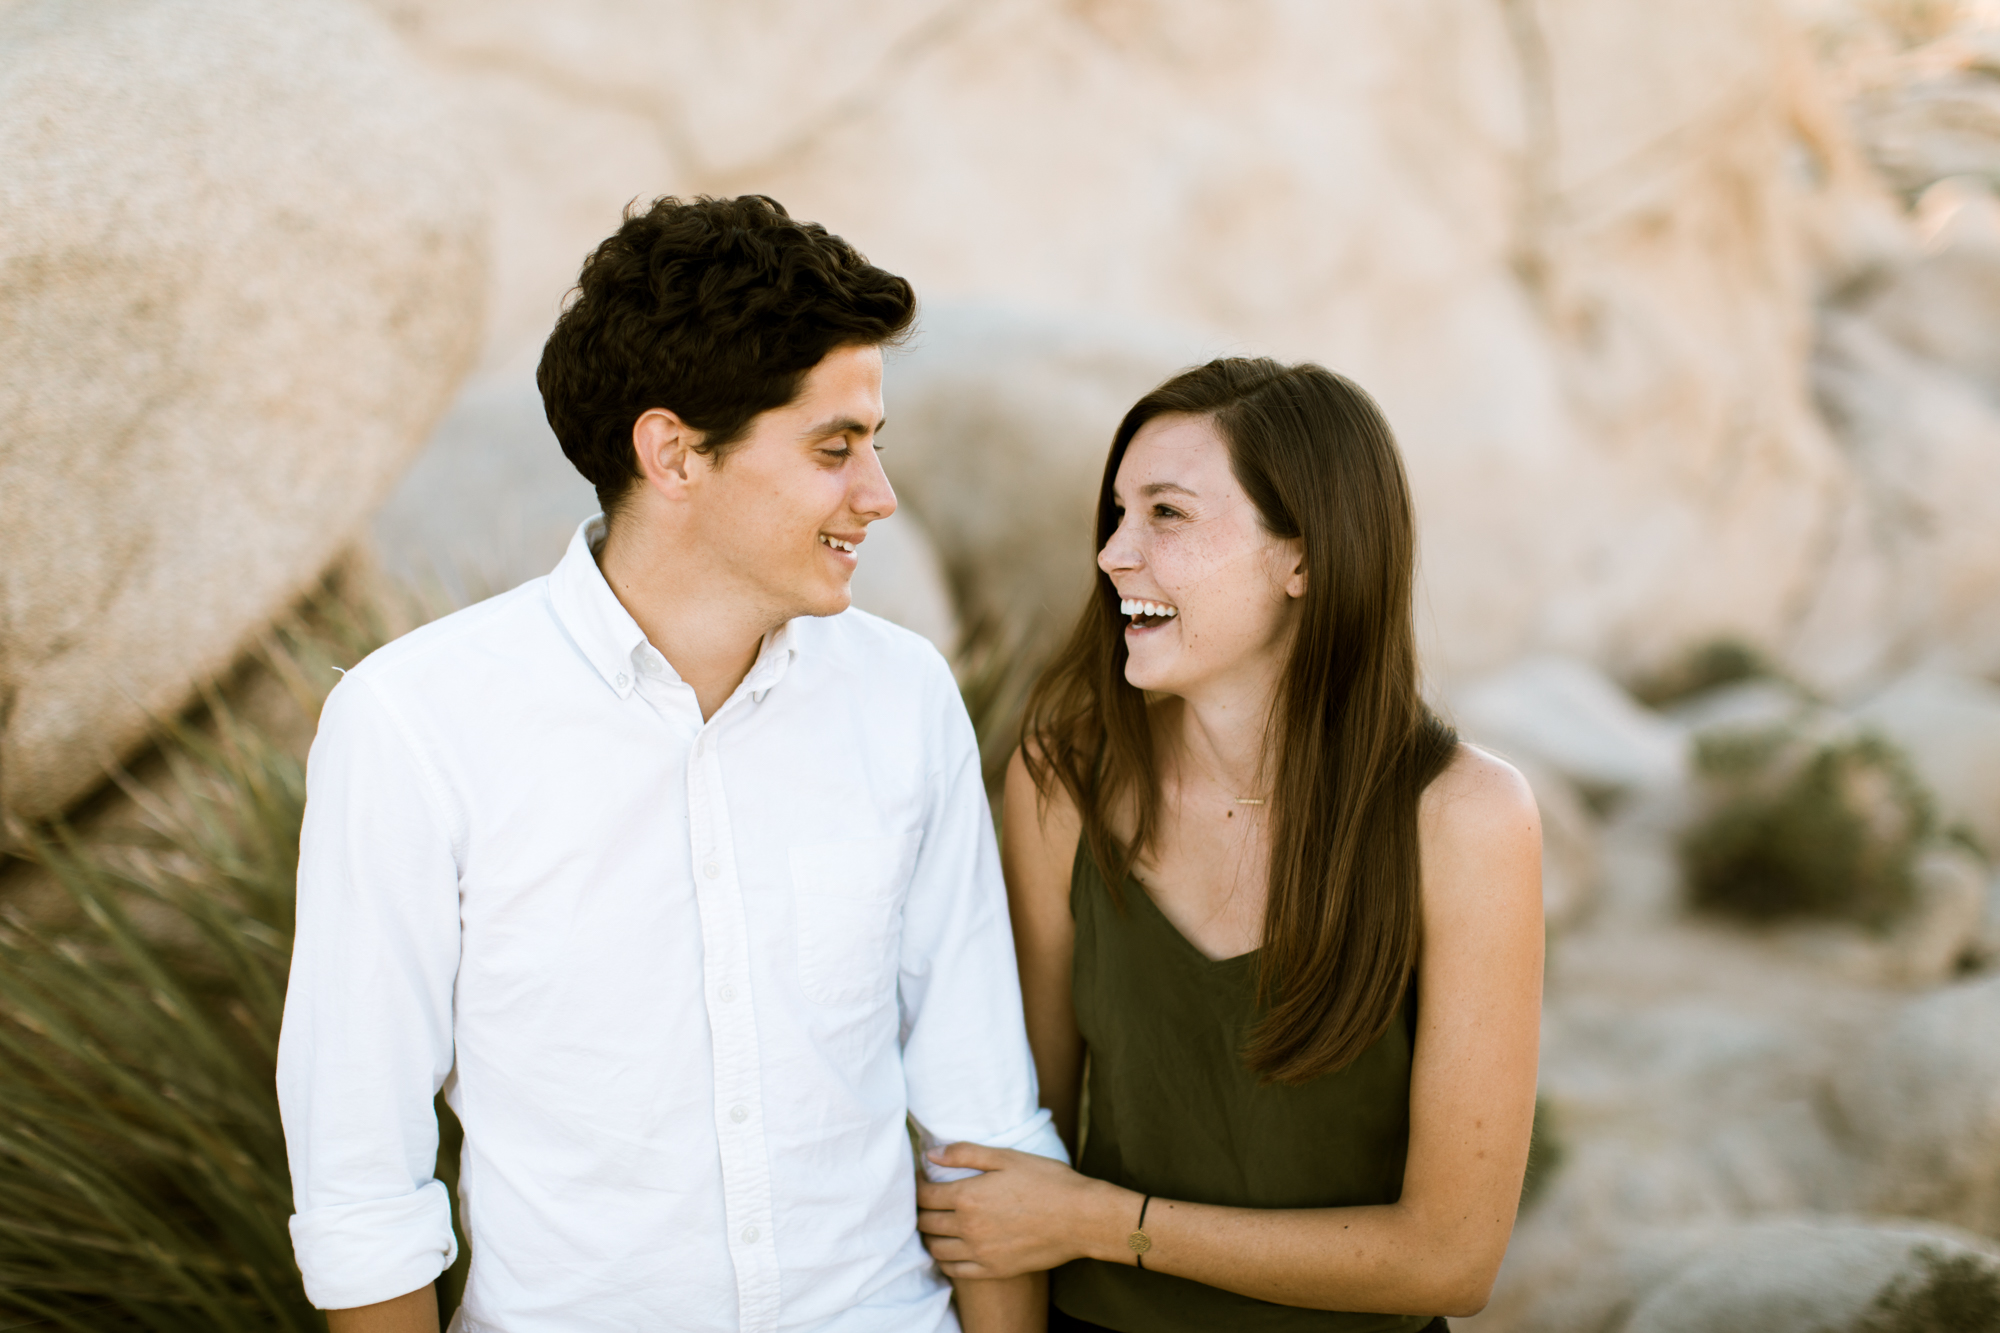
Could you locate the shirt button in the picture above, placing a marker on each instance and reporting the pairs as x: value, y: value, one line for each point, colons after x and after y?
x: 739, y: 1114
x: 712, y: 870
x: 621, y: 680
x: 750, y: 1235
x: 728, y: 994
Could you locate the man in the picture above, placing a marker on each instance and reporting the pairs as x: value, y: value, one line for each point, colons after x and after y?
x: 674, y: 874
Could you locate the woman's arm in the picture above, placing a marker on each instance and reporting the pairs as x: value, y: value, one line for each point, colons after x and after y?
x: 1037, y: 848
x: 1472, y: 1091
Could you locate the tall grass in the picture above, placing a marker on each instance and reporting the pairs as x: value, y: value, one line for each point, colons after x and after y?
x: 142, y: 1170
x: 143, y: 1180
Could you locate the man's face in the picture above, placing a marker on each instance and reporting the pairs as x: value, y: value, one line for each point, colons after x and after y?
x: 784, y: 513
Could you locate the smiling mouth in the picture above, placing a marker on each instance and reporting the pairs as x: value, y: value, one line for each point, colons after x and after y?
x: 837, y: 544
x: 1147, y: 614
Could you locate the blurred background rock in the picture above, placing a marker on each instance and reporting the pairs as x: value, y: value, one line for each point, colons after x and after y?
x: 1687, y: 315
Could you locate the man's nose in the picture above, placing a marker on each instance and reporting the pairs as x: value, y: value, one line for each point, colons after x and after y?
x: 872, y: 495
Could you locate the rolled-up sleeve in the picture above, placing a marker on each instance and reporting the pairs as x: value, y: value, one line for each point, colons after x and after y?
x: 969, y: 1072
x: 367, y: 1037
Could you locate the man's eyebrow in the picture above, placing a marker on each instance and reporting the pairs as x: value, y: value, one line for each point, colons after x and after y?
x: 842, y: 426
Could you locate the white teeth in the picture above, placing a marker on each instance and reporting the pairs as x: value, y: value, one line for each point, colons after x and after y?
x: 1131, y: 606
x: 836, y: 543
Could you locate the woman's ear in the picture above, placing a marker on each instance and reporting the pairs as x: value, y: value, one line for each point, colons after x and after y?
x: 1295, y: 581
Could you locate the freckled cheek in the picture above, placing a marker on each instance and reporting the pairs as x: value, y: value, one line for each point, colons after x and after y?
x: 1182, y: 564
x: 1209, y: 578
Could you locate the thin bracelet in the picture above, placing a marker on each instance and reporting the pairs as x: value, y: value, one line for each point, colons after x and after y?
x: 1139, y: 1242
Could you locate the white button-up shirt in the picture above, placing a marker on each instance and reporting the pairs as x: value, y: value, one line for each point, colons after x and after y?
x: 682, y: 981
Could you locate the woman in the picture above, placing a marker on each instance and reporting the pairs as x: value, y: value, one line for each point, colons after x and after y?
x: 1293, y: 923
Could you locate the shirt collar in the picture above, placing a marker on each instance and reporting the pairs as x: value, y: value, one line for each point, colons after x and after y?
x: 774, y: 657
x: 612, y: 640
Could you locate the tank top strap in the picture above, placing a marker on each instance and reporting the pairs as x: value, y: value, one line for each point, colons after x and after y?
x: 1083, y: 876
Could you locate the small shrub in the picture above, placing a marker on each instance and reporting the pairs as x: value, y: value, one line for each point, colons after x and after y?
x: 1960, y: 1294
x: 1719, y: 662
x: 1806, y: 829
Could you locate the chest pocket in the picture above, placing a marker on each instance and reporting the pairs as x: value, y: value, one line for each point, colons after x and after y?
x: 849, y: 899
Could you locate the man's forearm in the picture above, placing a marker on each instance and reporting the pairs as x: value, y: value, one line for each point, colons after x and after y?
x: 416, y: 1312
x: 1003, y: 1305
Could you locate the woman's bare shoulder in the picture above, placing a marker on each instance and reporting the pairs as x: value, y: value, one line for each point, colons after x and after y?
x: 1476, y: 791
x: 1054, y: 806
x: 1478, y: 817
x: 1039, y: 829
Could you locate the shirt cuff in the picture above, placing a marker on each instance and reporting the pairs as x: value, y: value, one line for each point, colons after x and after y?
x: 359, y: 1253
x: 1036, y: 1135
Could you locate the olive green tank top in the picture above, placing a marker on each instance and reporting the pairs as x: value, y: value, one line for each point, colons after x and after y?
x: 1173, y: 1112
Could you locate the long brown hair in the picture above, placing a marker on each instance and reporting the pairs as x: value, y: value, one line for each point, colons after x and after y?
x: 1355, y: 743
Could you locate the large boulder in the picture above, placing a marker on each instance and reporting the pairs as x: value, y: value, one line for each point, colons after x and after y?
x: 1919, y: 1108
x: 1908, y: 551
x: 1986, y: 942
x: 1933, y: 112
x: 1577, y: 250
x: 1563, y: 712
x: 1942, y: 306
x: 490, y: 501
x: 1792, y: 1275
x: 243, y: 270
x: 1949, y: 725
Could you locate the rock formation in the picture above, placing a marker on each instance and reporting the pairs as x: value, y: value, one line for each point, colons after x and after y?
x: 1602, y: 263
x: 1920, y: 1108
x: 1950, y: 727
x: 1686, y: 317
x: 1786, y: 1276
x: 1809, y: 1091
x: 241, y: 268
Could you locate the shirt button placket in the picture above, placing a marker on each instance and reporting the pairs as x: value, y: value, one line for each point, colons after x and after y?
x: 737, y: 1077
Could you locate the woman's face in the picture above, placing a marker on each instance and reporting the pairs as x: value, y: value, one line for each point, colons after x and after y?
x: 1209, y: 595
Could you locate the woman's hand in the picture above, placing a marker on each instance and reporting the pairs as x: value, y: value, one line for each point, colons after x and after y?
x: 1025, y: 1214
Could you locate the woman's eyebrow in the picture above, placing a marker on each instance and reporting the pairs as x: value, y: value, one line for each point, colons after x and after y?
x: 1153, y: 488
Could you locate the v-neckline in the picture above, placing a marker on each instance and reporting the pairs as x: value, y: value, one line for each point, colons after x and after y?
x: 1133, y: 886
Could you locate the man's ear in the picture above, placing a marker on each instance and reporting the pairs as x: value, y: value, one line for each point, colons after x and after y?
x: 663, y: 446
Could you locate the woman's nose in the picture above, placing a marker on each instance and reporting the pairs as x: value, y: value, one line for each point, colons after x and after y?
x: 1119, y: 554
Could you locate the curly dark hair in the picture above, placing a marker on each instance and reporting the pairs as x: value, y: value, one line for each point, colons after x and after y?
x: 715, y: 309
